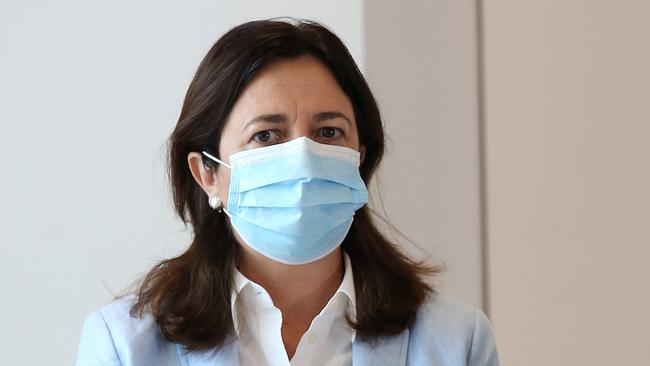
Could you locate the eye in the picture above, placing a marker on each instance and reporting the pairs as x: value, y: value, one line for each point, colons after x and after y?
x: 266, y: 136
x: 330, y: 132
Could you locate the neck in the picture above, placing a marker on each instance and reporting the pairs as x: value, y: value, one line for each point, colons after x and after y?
x: 299, y: 291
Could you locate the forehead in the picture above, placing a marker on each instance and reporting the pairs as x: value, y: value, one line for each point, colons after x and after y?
x: 301, y: 84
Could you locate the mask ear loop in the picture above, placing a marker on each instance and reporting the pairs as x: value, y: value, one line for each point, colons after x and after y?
x: 222, y: 163
x: 216, y: 159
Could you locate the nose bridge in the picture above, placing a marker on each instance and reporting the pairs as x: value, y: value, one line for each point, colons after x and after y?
x: 302, y: 126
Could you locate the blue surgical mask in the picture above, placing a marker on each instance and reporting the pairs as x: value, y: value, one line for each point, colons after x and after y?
x: 294, y: 202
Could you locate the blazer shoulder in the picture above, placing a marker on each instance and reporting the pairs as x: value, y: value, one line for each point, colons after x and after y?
x: 444, y: 314
x: 447, y: 311
x: 446, y: 325
x: 117, y: 315
x: 129, y: 340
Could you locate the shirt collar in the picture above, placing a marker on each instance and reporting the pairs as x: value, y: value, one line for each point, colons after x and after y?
x: 346, y: 287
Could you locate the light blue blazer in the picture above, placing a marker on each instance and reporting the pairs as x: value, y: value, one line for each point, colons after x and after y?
x: 445, y: 333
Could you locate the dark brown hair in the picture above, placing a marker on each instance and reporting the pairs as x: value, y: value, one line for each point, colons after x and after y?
x: 189, y: 295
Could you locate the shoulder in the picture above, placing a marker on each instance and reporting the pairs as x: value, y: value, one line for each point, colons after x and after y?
x: 111, y: 336
x: 447, y: 327
x: 445, y: 313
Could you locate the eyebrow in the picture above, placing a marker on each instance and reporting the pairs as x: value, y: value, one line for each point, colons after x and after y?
x: 281, y: 118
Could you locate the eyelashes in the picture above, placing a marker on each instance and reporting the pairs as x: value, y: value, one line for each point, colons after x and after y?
x: 269, y: 137
x: 265, y: 137
x: 330, y: 132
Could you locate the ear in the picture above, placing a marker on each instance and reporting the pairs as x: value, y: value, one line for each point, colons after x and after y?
x: 204, y: 176
x: 362, y: 151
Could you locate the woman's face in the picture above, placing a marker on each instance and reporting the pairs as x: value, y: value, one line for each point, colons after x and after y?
x: 288, y: 99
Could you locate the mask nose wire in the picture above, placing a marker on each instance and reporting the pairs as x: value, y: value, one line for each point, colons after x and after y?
x: 216, y: 159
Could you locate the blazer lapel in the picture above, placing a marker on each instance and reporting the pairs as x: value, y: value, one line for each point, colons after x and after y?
x: 389, y: 351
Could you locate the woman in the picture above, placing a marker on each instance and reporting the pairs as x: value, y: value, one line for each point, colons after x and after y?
x: 277, y: 139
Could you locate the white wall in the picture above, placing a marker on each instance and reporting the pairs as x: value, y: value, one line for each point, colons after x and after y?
x: 89, y: 92
x: 422, y: 65
x: 568, y: 153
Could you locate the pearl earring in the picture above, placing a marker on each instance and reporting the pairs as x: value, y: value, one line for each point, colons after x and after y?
x: 214, y: 202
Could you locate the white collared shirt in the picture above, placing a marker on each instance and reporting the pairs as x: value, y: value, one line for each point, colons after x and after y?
x: 327, y: 341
